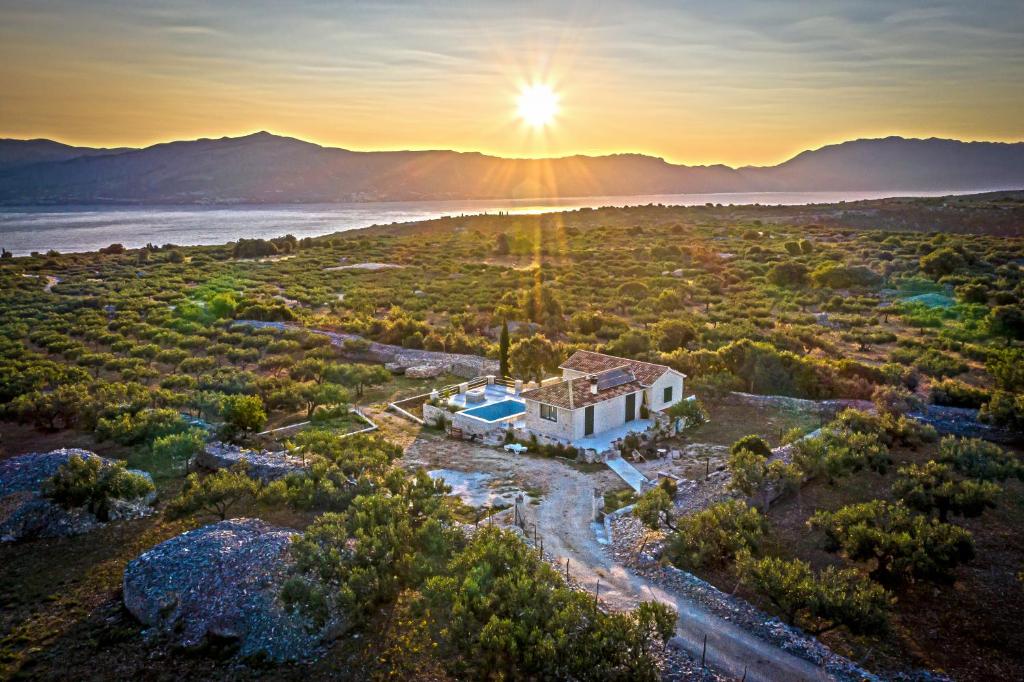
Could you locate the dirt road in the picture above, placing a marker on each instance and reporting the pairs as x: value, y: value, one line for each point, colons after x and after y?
x: 564, y: 521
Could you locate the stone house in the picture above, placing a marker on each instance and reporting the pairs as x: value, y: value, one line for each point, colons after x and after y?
x: 599, y: 394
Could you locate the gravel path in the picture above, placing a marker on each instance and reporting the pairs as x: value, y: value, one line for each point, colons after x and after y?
x: 564, y: 522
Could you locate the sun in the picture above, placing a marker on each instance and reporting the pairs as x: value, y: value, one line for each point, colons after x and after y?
x: 537, y: 105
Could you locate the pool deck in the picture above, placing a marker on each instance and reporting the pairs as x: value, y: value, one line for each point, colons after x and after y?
x: 599, y: 442
x: 493, y: 393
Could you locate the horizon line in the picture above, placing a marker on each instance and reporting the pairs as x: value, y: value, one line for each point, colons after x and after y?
x: 585, y: 154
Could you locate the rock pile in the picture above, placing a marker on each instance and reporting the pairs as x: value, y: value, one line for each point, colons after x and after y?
x: 222, y: 583
x: 263, y: 465
x: 424, y: 371
x: 25, y: 513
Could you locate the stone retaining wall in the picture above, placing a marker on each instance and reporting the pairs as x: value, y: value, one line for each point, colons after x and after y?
x: 460, y: 364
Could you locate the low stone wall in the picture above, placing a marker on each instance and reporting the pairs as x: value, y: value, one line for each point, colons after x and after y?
x: 467, y: 366
x: 957, y: 421
x: 625, y: 532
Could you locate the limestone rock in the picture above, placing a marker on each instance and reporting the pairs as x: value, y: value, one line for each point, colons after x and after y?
x: 25, y: 513
x: 424, y: 372
x: 263, y: 465
x: 223, y: 581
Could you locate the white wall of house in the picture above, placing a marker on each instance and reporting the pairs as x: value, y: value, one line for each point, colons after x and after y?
x: 656, y: 391
x: 612, y: 413
x: 572, y: 374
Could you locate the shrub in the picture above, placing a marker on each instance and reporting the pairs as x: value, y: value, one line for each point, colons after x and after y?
x: 337, y: 470
x: 837, y: 452
x: 1005, y: 410
x: 142, y: 427
x: 832, y: 599
x: 938, y: 364
x: 788, y: 275
x: 980, y: 459
x: 715, y: 535
x: 942, y: 262
x: 953, y: 393
x: 216, y: 494
x: 904, y: 546
x: 835, y: 276
x: 754, y: 444
x: 90, y: 483
x: 895, y: 400
x: 243, y: 413
x: 655, y: 507
x: 932, y: 487
x: 179, y: 447
x: 692, y: 413
x: 1007, y: 368
x: 498, y: 610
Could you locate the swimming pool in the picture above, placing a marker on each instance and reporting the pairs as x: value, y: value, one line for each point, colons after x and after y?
x: 498, y: 411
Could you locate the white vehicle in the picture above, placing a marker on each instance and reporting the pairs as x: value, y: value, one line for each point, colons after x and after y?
x: 516, y: 448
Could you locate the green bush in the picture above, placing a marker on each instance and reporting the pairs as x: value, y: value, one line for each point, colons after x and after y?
x: 90, y: 483
x: 931, y: 487
x: 715, y: 535
x: 831, y: 599
x: 754, y: 444
x: 980, y: 459
x: 903, y: 546
x: 1005, y: 410
x: 498, y: 610
x: 953, y: 393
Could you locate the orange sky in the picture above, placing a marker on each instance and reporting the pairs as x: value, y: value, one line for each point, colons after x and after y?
x: 725, y: 82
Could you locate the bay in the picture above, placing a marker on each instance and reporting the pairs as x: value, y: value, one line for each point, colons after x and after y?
x: 86, y: 228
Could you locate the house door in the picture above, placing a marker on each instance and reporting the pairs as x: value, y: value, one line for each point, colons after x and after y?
x: 588, y: 420
x: 631, y: 407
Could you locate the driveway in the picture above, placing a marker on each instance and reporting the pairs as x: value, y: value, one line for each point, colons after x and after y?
x: 564, y: 521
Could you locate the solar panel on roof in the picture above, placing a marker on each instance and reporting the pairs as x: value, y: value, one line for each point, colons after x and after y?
x: 613, y: 378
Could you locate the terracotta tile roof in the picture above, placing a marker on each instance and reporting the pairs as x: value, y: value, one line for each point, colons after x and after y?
x: 592, y: 363
x: 557, y: 394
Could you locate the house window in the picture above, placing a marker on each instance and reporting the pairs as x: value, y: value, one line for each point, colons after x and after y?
x: 549, y: 412
x: 667, y: 397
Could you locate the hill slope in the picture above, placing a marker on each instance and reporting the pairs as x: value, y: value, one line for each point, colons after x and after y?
x: 18, y: 153
x: 265, y: 168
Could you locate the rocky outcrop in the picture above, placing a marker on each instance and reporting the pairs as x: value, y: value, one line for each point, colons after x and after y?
x: 424, y: 371
x: 263, y: 464
x: 222, y: 583
x: 26, y: 514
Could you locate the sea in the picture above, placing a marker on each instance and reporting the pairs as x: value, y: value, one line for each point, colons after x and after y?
x: 69, y: 229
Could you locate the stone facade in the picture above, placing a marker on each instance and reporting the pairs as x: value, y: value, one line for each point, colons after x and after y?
x: 561, y: 430
x: 608, y: 414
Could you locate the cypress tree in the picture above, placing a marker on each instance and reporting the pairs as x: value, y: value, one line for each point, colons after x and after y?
x: 503, y: 350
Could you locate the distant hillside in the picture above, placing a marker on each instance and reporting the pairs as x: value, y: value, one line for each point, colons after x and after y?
x: 265, y: 168
x: 16, y: 153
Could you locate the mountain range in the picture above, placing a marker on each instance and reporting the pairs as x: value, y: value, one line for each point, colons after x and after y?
x: 263, y: 168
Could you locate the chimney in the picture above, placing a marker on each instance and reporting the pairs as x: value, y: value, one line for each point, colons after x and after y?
x: 593, y: 384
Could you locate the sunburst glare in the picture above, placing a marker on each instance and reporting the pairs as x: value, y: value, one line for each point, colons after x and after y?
x: 537, y: 105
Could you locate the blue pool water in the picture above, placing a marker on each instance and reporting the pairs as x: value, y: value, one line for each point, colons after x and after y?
x: 496, y: 411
